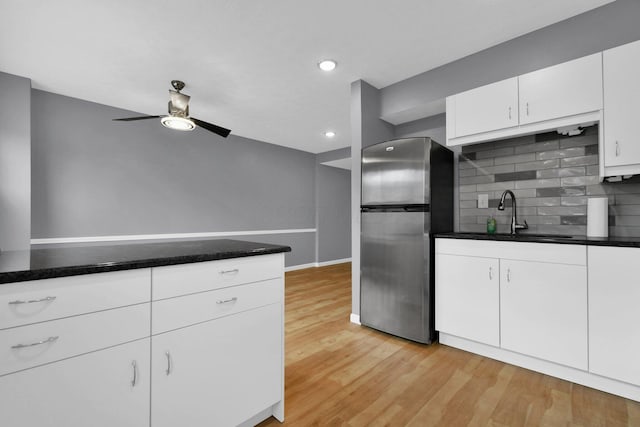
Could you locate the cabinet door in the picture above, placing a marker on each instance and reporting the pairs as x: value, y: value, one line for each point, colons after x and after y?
x: 566, y: 89
x: 543, y: 309
x: 467, y: 297
x: 220, y: 372
x: 621, y: 67
x: 614, y: 314
x: 486, y: 108
x: 95, y: 389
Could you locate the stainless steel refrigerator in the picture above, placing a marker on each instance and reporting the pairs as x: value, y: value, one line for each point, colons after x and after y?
x: 407, y: 195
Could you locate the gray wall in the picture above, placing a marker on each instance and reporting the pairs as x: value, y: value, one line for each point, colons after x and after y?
x: 599, y: 29
x: 366, y: 129
x: 98, y: 177
x: 333, y: 213
x: 15, y: 162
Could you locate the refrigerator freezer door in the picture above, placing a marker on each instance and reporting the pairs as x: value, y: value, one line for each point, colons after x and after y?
x: 395, y: 274
x: 393, y: 172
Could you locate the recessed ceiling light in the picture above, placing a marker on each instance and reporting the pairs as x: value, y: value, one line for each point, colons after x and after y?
x: 329, y: 134
x: 327, y: 65
x: 177, y: 123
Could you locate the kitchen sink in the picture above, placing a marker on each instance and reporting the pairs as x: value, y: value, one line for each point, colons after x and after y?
x: 543, y: 236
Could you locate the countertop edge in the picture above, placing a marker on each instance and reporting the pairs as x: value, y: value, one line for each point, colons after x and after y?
x: 573, y: 240
x: 76, y: 270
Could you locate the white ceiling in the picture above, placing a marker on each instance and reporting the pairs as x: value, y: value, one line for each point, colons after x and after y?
x: 250, y: 65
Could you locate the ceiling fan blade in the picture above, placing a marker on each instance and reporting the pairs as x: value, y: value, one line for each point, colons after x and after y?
x: 212, y: 128
x: 131, y: 119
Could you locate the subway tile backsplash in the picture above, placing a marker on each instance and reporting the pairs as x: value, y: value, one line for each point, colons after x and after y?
x: 552, y: 177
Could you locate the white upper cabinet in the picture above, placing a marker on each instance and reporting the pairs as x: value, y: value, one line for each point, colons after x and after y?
x: 562, y: 95
x: 566, y: 89
x: 621, y: 67
x: 486, y: 108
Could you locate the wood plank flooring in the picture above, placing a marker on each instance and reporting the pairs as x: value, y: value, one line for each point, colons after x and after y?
x: 341, y: 374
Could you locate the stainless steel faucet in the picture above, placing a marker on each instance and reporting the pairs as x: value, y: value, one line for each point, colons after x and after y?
x: 514, y: 216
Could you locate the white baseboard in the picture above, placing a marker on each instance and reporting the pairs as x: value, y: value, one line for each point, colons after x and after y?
x: 355, y: 318
x: 316, y: 264
x: 559, y: 371
x: 332, y: 262
x: 300, y: 266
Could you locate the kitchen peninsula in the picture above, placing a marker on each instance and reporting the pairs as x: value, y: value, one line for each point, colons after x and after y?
x: 157, y: 334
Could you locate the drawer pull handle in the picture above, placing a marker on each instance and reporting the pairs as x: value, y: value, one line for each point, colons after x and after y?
x: 234, y: 271
x: 169, y: 363
x: 227, y: 301
x: 134, y: 380
x: 31, y: 301
x: 490, y: 273
x: 509, y: 275
x: 47, y: 341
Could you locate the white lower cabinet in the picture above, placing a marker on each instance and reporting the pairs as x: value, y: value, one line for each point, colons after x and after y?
x: 467, y: 297
x: 614, y: 313
x: 543, y: 311
x: 528, y: 298
x: 220, y: 372
x: 105, y: 388
x: 567, y: 310
x: 205, y: 348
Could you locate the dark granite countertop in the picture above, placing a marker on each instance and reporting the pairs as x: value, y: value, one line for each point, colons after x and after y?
x: 34, y: 264
x: 547, y: 238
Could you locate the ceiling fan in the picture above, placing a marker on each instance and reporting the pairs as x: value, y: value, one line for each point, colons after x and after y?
x: 178, y: 117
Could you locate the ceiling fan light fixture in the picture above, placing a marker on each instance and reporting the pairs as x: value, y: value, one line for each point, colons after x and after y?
x: 177, y: 123
x: 327, y: 65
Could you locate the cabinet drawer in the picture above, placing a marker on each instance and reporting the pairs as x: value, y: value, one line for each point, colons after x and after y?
x: 36, y: 301
x: 187, y: 310
x: 33, y: 345
x: 176, y: 280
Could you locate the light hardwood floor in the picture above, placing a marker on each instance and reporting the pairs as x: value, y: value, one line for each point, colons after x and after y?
x: 341, y: 374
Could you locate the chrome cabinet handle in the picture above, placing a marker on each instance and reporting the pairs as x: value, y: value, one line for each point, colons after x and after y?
x: 234, y: 271
x: 134, y: 380
x: 47, y: 341
x: 617, y: 149
x: 509, y: 113
x: 169, y: 363
x: 226, y: 301
x: 31, y: 301
x: 509, y: 275
x: 527, y: 108
x: 490, y: 273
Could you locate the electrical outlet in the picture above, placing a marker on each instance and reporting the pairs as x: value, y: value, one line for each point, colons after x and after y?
x: 483, y: 201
